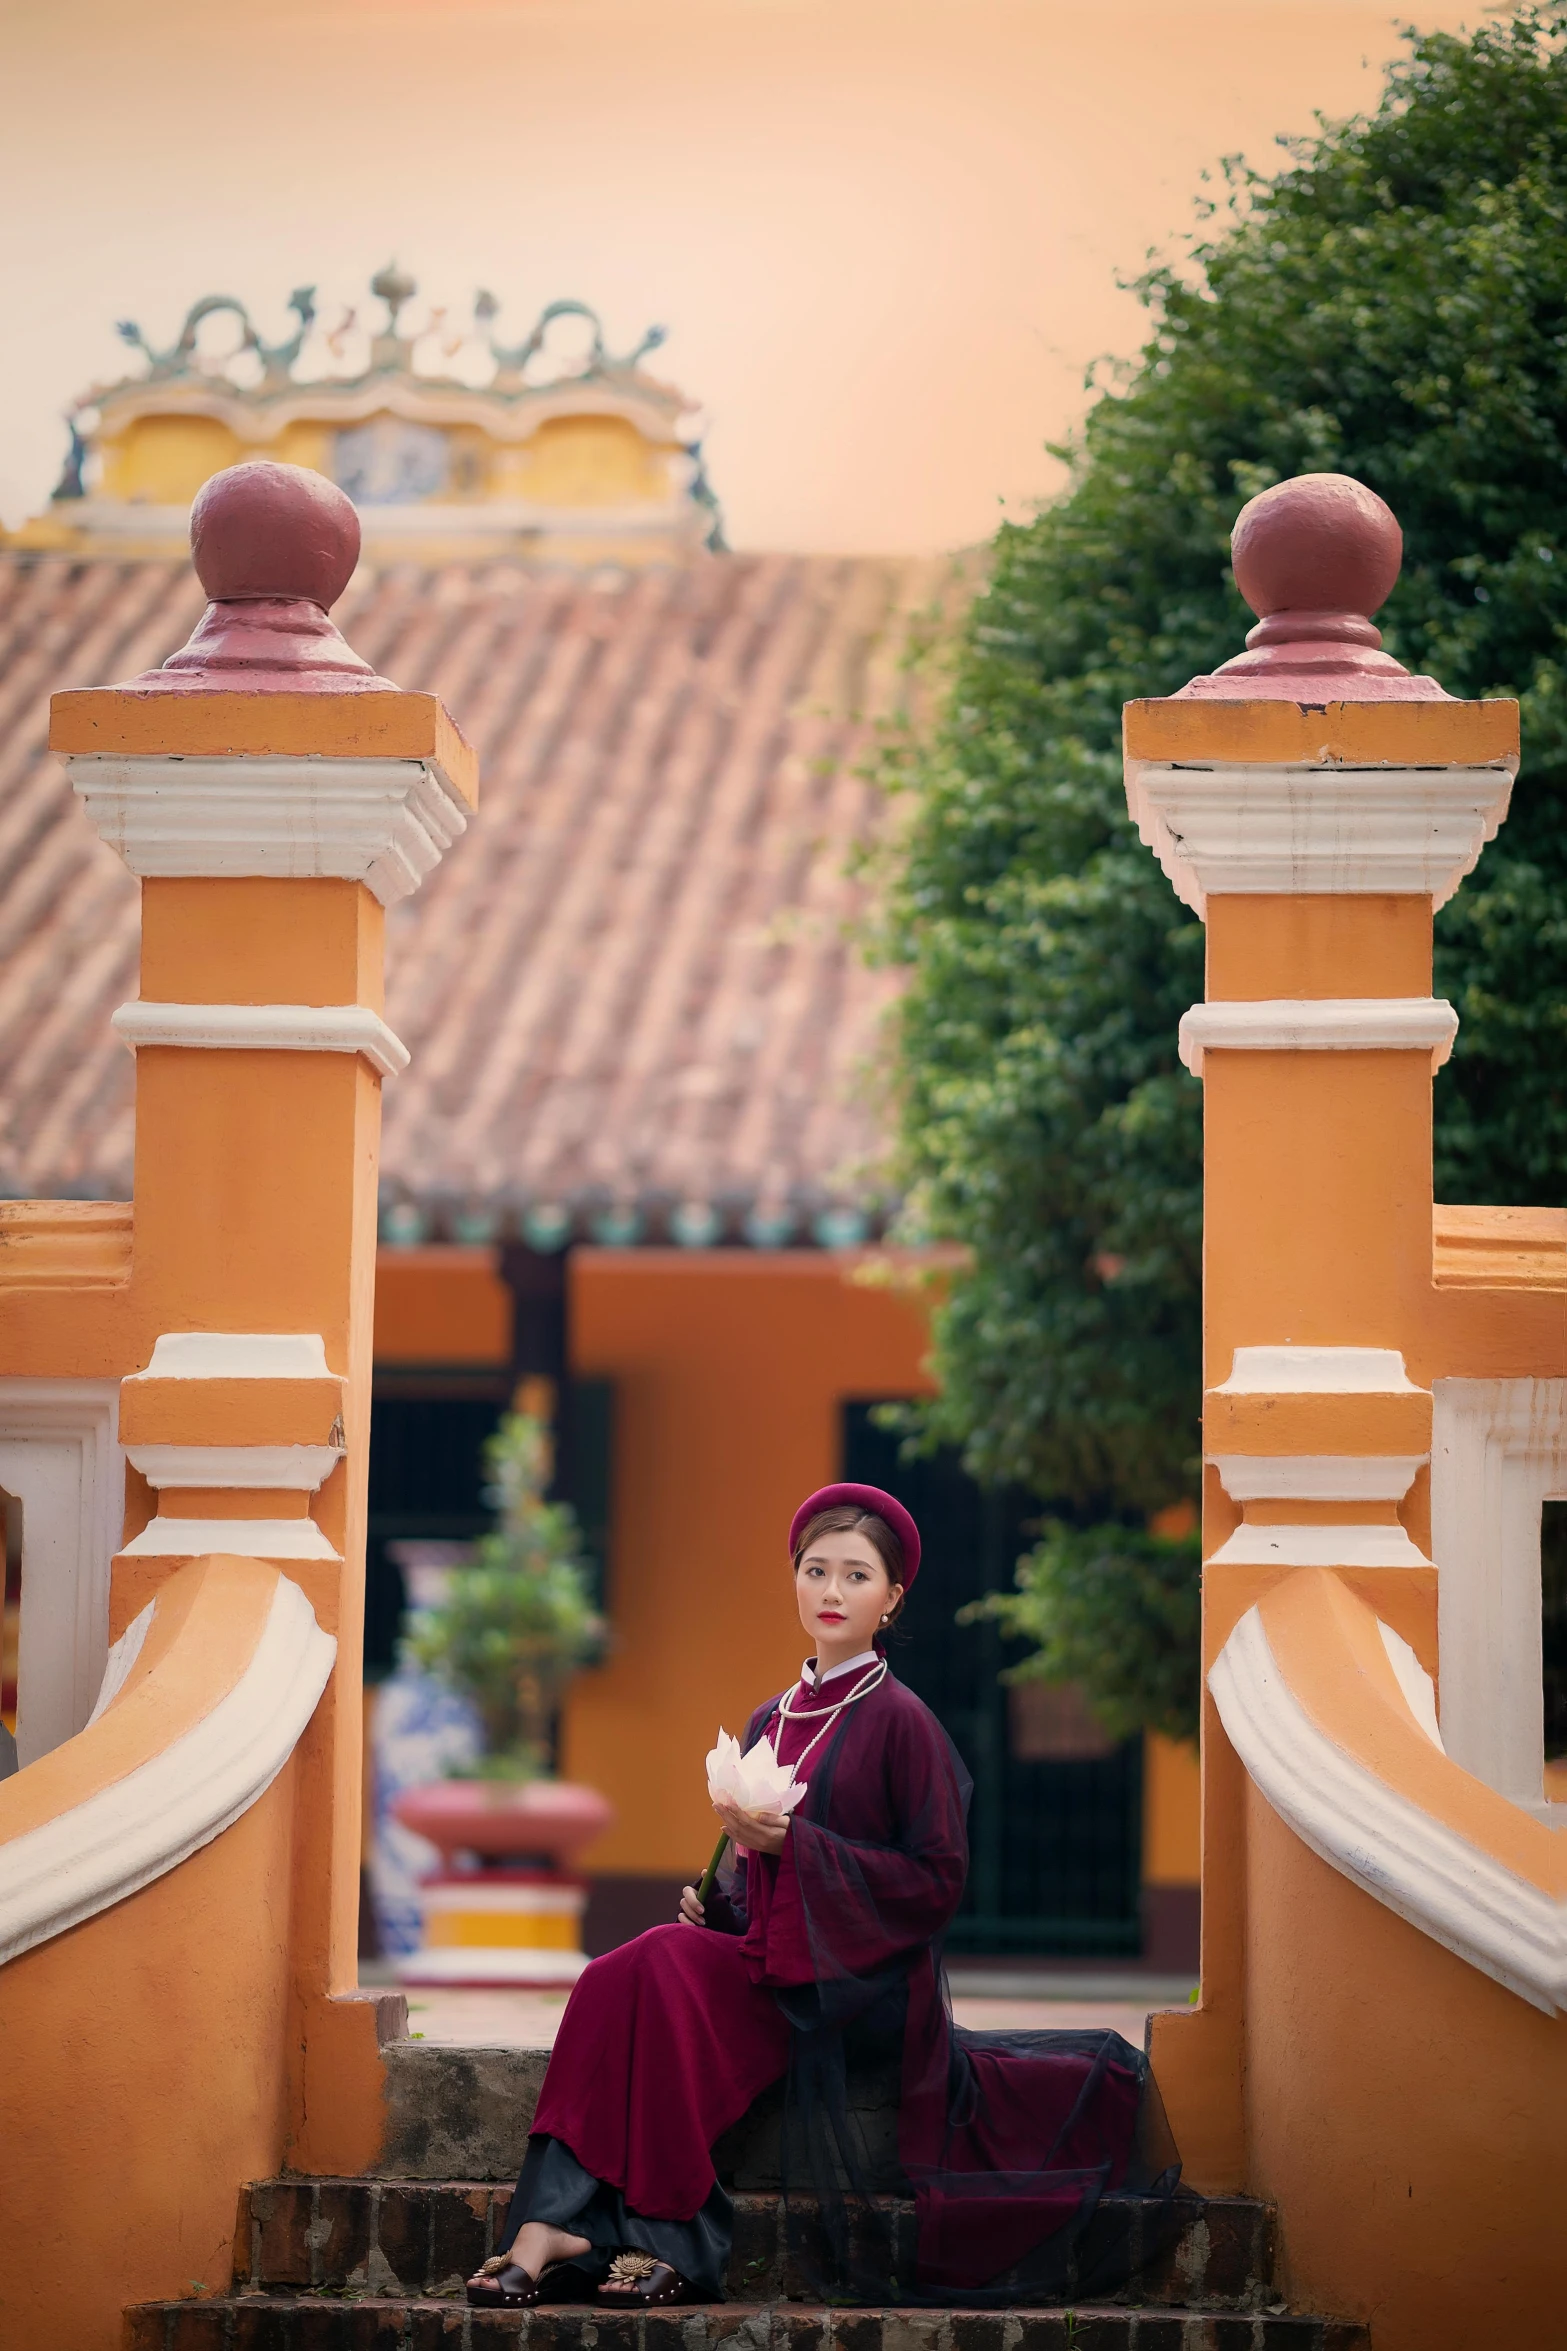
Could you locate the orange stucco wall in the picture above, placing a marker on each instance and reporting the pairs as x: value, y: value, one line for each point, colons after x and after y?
x: 1401, y: 2107
x: 153, y: 2010
x: 1415, y: 2181
x: 1172, y: 1817
x: 441, y: 1305
x: 207, y: 2029
x: 729, y: 1367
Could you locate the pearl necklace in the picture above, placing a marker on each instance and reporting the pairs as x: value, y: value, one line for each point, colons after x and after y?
x: 872, y: 1679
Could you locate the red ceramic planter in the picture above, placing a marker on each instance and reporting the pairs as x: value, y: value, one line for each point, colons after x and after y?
x: 501, y: 1819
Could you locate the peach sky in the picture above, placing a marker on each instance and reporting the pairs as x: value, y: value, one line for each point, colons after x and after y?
x: 884, y: 234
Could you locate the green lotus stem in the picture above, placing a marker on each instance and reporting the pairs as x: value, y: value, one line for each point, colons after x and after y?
x: 706, y: 1887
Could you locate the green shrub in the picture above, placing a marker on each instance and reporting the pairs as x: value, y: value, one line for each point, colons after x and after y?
x: 1392, y: 305
x: 517, y: 1623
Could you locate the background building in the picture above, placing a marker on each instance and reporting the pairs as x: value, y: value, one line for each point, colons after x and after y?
x: 636, y: 1172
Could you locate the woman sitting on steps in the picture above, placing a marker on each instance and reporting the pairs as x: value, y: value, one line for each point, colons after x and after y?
x: 824, y: 1937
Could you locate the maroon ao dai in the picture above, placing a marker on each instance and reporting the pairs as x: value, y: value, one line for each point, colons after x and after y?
x: 1006, y: 2139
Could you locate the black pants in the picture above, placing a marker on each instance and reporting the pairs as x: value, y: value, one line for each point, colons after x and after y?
x: 556, y: 2190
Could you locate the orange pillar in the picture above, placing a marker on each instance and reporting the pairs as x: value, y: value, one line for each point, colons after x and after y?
x: 274, y: 795
x: 1314, y: 803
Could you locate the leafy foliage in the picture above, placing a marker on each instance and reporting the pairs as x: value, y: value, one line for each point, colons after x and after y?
x: 516, y: 1624
x: 1392, y: 305
x: 1116, y: 1609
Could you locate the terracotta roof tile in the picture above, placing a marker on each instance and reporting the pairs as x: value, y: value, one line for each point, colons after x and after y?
x: 633, y: 985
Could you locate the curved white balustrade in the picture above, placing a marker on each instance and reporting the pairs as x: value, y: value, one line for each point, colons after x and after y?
x: 1428, y: 1860
x: 176, y: 1797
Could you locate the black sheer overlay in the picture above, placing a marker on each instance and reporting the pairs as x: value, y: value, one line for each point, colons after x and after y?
x: 1007, y: 2141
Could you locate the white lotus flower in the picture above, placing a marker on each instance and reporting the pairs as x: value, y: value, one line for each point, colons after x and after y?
x: 757, y: 1781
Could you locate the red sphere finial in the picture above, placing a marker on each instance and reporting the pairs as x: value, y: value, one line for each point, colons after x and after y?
x: 274, y: 546
x: 1321, y: 543
x: 1315, y: 558
x: 267, y: 530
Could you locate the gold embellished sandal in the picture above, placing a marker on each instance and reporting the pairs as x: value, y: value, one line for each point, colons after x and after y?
x: 644, y: 2284
x: 502, y: 2284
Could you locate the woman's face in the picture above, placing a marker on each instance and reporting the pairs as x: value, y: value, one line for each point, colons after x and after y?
x: 843, y: 1592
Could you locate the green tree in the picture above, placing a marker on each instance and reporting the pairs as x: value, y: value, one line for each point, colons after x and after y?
x: 516, y: 1623
x: 1392, y: 305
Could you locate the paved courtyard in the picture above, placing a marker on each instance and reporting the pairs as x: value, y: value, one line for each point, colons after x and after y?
x: 983, y: 1999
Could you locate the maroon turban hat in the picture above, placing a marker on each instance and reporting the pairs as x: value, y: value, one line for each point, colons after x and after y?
x: 863, y: 1498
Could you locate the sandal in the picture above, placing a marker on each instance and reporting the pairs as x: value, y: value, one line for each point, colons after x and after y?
x: 647, y: 2284
x: 499, y: 2284
x: 502, y: 2284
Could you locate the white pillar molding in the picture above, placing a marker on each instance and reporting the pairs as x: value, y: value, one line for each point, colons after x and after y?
x: 383, y: 822
x: 1290, y: 1370
x: 295, y: 1469
x: 236, y: 1355
x: 264, y: 1028
x: 1315, y: 1545
x: 237, y: 1538
x: 1318, y: 1024
x: 1233, y: 829
x: 169, y: 1461
x: 1499, y: 1450
x: 1312, y: 1477
x: 1280, y: 1378
x: 60, y: 1458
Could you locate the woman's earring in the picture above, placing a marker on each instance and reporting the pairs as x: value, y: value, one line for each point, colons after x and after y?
x: 884, y: 1620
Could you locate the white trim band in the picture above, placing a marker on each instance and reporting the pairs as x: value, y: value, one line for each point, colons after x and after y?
x: 143, y: 1825
x: 1400, y: 1855
x: 1228, y: 831
x: 296, y: 1469
x: 237, y: 1355
x: 1319, y: 1024
x: 1307, y: 1477
x: 383, y: 822
x: 265, y: 1028
x: 243, y: 1538
x: 1320, y: 1546
x: 1312, y: 1371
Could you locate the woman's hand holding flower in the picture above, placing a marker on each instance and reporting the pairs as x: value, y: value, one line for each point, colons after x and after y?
x: 753, y: 1794
x: 752, y: 1832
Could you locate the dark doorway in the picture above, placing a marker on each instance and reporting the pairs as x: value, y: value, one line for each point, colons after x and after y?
x: 1553, y: 1626
x: 427, y: 1478
x: 1055, y: 1846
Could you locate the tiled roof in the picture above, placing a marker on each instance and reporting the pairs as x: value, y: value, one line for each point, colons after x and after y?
x: 631, y: 992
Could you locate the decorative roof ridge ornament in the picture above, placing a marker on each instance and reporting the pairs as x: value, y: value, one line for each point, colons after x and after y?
x: 180, y: 359
x: 454, y: 440
x: 1314, y: 557
x: 274, y: 546
x: 511, y: 362
x: 391, y: 351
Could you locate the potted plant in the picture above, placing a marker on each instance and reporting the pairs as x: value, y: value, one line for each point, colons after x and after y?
x: 516, y: 1621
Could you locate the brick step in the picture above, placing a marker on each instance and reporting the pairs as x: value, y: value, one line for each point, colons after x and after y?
x: 308, y: 2322
x: 425, y: 2237
x: 455, y: 2113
